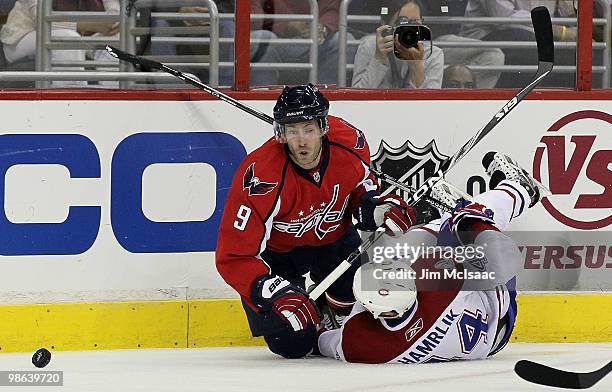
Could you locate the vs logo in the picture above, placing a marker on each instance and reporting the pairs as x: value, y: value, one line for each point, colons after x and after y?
x: 576, y: 168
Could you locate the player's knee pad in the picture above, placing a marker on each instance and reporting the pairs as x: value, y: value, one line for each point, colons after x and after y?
x: 294, y: 344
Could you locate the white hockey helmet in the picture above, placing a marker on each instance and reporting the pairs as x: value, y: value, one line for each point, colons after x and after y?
x: 385, y: 289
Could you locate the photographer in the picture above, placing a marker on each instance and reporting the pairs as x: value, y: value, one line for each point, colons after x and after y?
x: 418, y: 66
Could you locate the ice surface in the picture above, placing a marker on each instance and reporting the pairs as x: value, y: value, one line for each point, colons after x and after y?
x: 252, y: 369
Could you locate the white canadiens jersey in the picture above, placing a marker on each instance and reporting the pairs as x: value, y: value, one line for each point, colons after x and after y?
x: 441, y: 326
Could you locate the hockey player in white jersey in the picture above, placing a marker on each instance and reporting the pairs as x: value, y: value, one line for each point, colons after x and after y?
x: 405, y: 313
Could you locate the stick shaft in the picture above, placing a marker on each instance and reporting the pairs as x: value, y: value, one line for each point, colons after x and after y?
x: 543, y: 29
x: 145, y: 63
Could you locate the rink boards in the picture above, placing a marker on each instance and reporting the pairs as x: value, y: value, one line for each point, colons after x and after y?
x: 221, y: 322
x: 111, y: 209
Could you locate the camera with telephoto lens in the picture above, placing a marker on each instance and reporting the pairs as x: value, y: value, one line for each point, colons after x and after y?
x: 409, y: 34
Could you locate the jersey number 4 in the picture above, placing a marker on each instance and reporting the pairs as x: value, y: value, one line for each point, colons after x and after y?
x: 472, y: 328
x: 243, y: 215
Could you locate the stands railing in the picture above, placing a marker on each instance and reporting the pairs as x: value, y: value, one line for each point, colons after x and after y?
x: 130, y: 33
x: 45, y: 42
x: 313, y: 19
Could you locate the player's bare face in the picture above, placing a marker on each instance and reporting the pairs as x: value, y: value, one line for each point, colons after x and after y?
x: 304, y: 142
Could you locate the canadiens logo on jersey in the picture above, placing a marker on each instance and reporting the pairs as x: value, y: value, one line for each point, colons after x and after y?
x: 322, y: 219
x: 480, y: 264
x: 410, y: 164
x: 254, y: 184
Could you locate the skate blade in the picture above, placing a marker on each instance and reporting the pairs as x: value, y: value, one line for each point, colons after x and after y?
x: 544, y: 191
x: 456, y: 192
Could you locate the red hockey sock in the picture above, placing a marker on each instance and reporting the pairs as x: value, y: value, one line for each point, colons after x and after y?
x: 476, y: 227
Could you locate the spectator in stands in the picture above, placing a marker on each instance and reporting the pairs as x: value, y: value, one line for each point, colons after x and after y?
x: 270, y: 29
x: 145, y: 45
x: 473, y: 56
x: 520, y: 9
x: 96, y: 29
x: 259, y: 52
x: 458, y: 76
x: 327, y: 36
x: 522, y: 32
x: 5, y: 7
x: 377, y: 67
x: 599, y: 11
x: 18, y: 35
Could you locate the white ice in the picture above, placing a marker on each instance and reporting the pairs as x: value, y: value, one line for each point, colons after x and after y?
x: 252, y: 369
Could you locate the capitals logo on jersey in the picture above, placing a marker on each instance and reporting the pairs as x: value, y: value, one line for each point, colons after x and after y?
x: 254, y: 184
x: 316, y: 219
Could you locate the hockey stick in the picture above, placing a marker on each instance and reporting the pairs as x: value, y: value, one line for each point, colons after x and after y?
x: 407, y: 188
x: 146, y: 65
x: 546, y: 375
x: 542, y: 25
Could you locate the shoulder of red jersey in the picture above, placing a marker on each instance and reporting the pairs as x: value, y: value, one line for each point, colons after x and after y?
x: 344, y: 134
x: 261, y: 171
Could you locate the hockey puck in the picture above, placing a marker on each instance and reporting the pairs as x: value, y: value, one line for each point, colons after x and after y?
x: 41, y: 358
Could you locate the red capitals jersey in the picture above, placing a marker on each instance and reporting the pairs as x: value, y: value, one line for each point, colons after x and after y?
x: 274, y: 204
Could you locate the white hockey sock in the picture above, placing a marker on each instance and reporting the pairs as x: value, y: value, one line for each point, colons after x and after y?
x: 507, y: 200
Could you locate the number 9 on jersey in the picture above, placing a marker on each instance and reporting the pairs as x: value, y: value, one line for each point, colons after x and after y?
x: 243, y: 215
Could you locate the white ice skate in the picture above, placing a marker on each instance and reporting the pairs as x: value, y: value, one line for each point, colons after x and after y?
x: 501, y: 167
x: 330, y: 319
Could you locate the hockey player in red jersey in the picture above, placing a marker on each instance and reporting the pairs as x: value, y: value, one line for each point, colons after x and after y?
x: 289, y: 211
x: 406, y: 313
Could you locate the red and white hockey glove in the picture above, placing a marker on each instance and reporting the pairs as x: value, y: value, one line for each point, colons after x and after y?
x: 390, y: 212
x: 289, y: 302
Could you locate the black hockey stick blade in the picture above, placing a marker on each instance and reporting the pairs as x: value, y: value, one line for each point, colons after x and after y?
x: 141, y: 63
x: 546, y: 375
x: 542, y: 26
